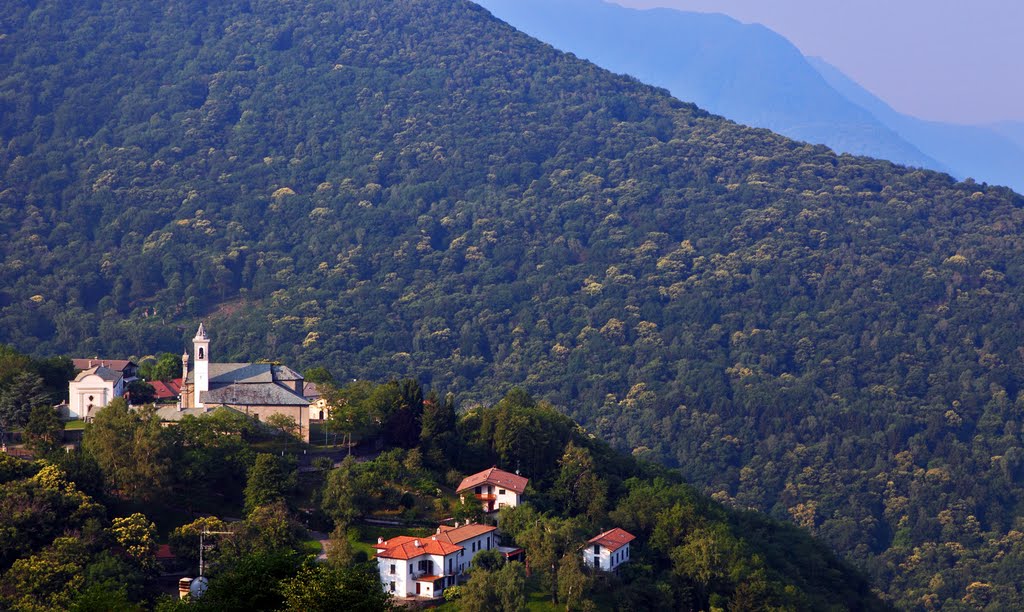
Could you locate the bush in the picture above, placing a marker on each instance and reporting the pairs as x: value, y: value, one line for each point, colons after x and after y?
x: 452, y: 593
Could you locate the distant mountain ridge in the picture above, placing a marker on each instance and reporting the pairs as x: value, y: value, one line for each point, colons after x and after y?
x: 752, y: 75
x: 744, y: 72
x: 978, y: 152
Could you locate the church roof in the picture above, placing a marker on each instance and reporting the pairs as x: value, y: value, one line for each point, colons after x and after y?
x: 229, y: 373
x: 260, y: 394
x: 104, y: 373
x: 285, y: 373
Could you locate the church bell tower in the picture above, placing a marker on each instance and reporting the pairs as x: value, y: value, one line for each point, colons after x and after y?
x: 201, y: 375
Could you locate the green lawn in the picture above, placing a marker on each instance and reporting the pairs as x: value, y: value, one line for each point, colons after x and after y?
x: 311, y: 547
x: 75, y: 425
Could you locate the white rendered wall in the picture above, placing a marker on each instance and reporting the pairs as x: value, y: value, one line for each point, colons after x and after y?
x: 608, y: 560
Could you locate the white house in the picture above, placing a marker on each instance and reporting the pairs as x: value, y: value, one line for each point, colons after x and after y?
x: 494, y: 488
x: 609, y: 550
x: 93, y: 389
x: 319, y: 409
x: 425, y: 567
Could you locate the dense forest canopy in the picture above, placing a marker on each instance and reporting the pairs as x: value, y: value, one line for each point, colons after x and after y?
x: 415, y: 189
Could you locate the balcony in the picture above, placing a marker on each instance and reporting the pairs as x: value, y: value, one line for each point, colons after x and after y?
x: 488, y: 497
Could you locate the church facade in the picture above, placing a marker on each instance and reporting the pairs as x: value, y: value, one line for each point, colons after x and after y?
x: 258, y: 390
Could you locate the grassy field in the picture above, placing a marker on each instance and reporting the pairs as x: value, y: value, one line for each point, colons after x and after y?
x: 75, y: 425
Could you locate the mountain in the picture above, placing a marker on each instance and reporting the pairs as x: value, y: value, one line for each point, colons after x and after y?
x: 745, y: 72
x: 414, y: 189
x: 992, y: 154
x: 1012, y: 130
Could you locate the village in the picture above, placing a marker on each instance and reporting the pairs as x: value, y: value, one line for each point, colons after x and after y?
x: 413, y: 568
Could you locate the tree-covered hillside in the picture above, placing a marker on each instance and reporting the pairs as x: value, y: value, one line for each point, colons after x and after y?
x: 412, y: 188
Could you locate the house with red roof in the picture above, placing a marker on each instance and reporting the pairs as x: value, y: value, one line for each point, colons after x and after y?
x: 425, y: 567
x: 494, y: 489
x: 608, y: 550
x: 166, y: 390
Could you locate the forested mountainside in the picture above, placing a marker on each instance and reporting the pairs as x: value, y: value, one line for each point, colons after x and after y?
x: 81, y: 529
x: 415, y: 189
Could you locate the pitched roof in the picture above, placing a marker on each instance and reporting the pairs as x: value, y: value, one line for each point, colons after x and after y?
x: 166, y: 389
x: 283, y: 372
x: 104, y: 373
x: 265, y: 394
x: 404, y: 548
x: 311, y: 391
x: 613, y: 539
x: 227, y: 373
x: 494, y: 476
x: 118, y: 365
x: 457, y: 535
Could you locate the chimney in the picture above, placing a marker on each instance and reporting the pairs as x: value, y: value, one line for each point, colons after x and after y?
x: 416, y: 543
x: 438, y: 530
x: 90, y: 363
x: 380, y: 540
x: 433, y: 537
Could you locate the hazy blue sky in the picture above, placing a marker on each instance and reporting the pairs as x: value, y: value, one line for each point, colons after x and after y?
x: 950, y: 60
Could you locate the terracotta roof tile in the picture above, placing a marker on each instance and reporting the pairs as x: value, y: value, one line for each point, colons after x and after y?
x: 166, y: 389
x: 457, y: 535
x: 494, y: 476
x: 613, y: 539
x: 408, y: 549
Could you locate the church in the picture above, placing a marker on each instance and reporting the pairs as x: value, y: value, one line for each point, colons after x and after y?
x: 257, y: 390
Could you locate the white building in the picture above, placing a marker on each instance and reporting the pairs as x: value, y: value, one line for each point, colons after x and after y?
x: 319, y: 409
x: 93, y: 389
x: 494, y: 489
x: 425, y: 567
x: 609, y: 550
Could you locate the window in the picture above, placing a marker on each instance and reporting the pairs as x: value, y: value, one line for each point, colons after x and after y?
x: 501, y: 491
x: 478, y: 490
x: 201, y: 353
x: 392, y: 568
x: 597, y: 549
x: 488, y: 542
x: 392, y: 587
x: 597, y: 562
